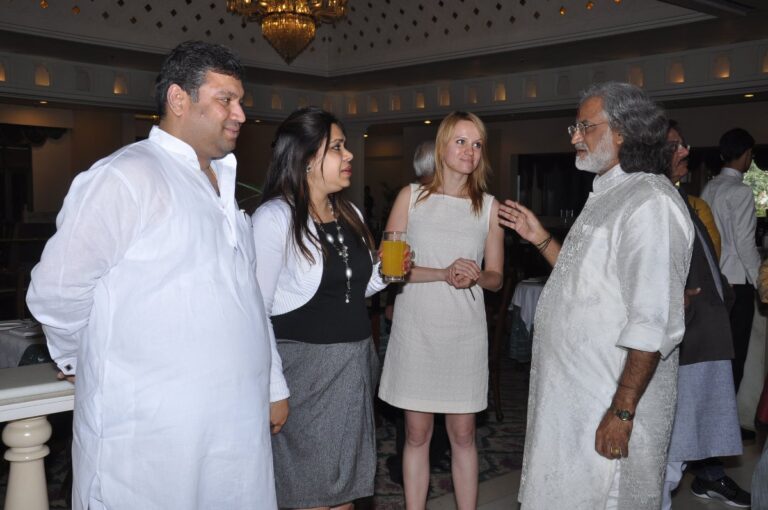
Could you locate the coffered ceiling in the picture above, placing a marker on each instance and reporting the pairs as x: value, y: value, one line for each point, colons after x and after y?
x: 384, y: 42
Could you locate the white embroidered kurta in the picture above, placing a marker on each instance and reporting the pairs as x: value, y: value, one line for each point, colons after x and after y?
x: 618, y: 283
x: 147, y: 293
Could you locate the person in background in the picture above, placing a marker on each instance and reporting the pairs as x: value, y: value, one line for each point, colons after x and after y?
x: 706, y: 419
x: 315, y: 266
x: 424, y: 162
x: 437, y: 356
x: 147, y: 292
x: 604, y: 367
x: 733, y: 205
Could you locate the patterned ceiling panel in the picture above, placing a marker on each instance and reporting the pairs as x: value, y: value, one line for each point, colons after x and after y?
x: 377, y: 34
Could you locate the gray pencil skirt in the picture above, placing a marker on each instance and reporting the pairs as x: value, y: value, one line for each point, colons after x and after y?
x: 325, y: 455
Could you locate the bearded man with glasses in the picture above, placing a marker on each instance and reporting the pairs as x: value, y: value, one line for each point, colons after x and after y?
x: 604, y: 367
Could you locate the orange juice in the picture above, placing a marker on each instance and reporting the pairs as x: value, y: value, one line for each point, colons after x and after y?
x: 393, y: 248
x: 392, y: 257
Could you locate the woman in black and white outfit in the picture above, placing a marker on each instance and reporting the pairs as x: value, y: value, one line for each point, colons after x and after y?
x: 314, y: 264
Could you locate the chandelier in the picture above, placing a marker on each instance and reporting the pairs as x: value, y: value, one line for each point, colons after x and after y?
x: 288, y: 25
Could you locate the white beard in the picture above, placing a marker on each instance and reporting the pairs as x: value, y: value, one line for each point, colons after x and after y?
x: 600, y: 159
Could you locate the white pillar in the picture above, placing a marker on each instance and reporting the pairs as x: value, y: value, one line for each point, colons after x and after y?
x: 27, y: 489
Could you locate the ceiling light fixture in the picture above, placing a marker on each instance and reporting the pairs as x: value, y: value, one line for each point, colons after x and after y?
x: 43, y: 101
x: 749, y: 96
x: 289, y: 25
x: 427, y: 122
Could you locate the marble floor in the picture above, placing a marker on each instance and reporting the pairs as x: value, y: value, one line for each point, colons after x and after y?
x: 501, y: 493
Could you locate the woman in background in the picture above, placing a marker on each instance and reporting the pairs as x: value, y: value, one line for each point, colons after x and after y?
x: 437, y: 357
x: 315, y: 268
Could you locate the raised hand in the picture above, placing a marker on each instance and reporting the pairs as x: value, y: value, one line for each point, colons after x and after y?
x: 520, y: 219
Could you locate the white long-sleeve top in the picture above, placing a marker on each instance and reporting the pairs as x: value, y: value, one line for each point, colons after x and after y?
x: 286, y: 278
x: 733, y: 206
x: 147, y: 292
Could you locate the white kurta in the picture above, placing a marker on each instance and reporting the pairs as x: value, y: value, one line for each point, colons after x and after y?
x: 617, y: 284
x: 147, y: 292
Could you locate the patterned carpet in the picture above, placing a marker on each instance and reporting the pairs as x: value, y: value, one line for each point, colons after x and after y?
x: 500, y: 448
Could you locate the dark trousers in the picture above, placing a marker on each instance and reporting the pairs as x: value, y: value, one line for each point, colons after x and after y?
x: 741, y: 326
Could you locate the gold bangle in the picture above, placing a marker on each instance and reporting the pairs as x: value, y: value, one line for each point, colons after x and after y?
x: 543, y: 245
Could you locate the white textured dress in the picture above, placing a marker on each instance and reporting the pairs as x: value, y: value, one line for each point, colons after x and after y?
x: 437, y: 357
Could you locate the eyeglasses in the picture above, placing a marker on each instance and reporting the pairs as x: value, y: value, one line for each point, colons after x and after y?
x: 676, y: 145
x: 582, y: 127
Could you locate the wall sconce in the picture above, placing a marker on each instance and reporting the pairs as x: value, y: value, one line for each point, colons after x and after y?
x: 328, y: 104
x: 42, y: 76
x: 351, y: 106
x: 635, y: 76
x: 531, y: 88
x: 472, y: 95
x: 676, y: 72
x: 248, y: 100
x: 444, y: 96
x: 277, y: 101
x: 120, y: 85
x: 563, y: 85
x: 2, y: 71
x: 500, y: 92
x: 373, y: 105
x: 394, y: 103
x: 721, y: 67
x: 419, y: 101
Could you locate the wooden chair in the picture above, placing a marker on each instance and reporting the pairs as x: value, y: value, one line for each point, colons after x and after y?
x: 497, y: 321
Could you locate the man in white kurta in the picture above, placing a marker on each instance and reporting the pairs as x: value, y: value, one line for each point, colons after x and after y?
x: 147, y: 293
x: 604, y: 367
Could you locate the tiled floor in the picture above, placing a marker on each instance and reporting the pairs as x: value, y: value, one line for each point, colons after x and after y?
x: 501, y: 493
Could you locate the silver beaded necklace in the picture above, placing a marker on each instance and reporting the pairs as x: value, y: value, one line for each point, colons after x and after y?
x: 340, y: 248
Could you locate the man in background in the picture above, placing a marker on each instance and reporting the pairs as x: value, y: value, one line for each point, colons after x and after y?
x: 706, y: 419
x: 733, y: 205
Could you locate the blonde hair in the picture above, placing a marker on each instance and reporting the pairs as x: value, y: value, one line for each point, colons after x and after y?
x: 477, y: 182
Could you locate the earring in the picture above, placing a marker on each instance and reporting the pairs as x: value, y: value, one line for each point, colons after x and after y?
x: 309, y: 168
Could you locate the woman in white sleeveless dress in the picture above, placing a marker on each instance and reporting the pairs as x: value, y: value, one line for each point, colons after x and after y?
x: 437, y: 357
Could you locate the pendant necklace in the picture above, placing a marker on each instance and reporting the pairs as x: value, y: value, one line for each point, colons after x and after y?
x: 340, y: 248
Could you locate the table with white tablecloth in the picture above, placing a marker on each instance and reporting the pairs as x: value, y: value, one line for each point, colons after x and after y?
x: 522, y: 311
x: 21, y: 340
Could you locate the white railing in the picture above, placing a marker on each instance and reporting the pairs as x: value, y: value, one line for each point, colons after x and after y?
x: 27, y: 395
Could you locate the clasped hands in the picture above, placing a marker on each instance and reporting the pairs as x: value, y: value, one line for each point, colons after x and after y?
x: 462, y: 274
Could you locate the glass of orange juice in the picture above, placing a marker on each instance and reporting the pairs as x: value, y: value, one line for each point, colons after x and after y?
x: 393, y: 247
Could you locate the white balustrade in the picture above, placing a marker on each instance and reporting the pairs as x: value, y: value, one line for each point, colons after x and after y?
x: 27, y: 395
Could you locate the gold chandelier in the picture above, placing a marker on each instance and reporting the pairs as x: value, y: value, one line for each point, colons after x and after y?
x: 289, y: 25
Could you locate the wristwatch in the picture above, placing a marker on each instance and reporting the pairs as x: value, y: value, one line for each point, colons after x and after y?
x: 623, y: 414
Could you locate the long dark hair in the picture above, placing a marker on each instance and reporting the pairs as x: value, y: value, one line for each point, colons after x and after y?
x: 297, y: 141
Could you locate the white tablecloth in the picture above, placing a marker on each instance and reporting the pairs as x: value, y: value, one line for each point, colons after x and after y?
x: 526, y: 296
x: 15, y: 338
x: 522, y: 311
